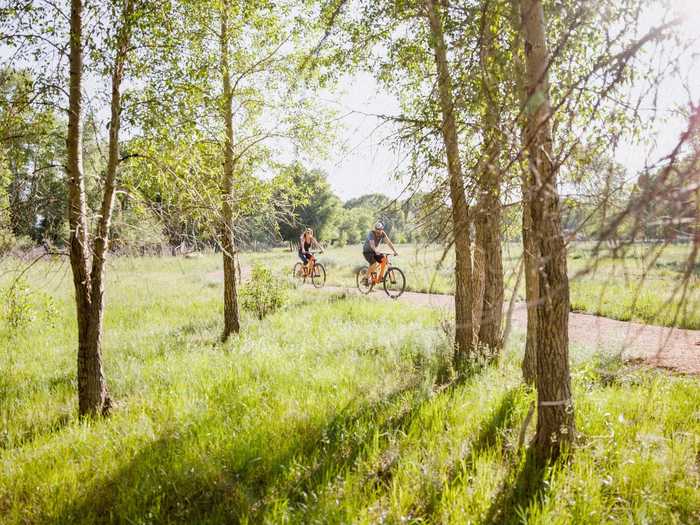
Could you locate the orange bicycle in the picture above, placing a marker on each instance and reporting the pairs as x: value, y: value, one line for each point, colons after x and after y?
x: 392, y: 277
x: 312, y: 270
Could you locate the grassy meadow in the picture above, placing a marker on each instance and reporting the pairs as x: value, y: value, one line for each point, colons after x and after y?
x: 333, y: 410
x: 644, y: 286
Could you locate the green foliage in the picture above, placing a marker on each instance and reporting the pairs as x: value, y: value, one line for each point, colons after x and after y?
x: 353, y: 224
x: 22, y: 306
x: 263, y: 294
x: 135, y: 230
x: 17, y: 308
x: 31, y: 157
x: 311, y: 203
x: 7, y: 241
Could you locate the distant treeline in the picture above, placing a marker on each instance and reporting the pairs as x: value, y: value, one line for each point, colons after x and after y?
x: 153, y: 215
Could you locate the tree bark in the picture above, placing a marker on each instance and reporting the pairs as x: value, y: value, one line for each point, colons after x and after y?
x: 101, y: 241
x: 464, y: 334
x: 478, y: 268
x: 488, y: 234
x: 231, y: 315
x: 92, y: 386
x: 529, y: 364
x: 488, y: 223
x: 555, y: 415
x: 88, y: 276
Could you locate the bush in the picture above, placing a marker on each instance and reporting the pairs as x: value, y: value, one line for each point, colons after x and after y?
x: 17, y: 306
x: 263, y: 294
x: 21, y: 305
x: 7, y: 241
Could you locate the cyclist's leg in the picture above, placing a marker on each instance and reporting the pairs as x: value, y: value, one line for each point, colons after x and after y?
x: 376, y: 266
x: 369, y: 257
x: 381, y: 261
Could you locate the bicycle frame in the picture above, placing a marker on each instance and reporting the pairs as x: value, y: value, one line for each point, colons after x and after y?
x: 309, y: 266
x: 382, y: 269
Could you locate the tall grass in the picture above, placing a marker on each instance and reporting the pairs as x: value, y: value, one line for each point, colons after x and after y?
x: 326, y: 412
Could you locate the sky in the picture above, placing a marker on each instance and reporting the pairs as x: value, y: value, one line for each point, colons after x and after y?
x: 364, y: 164
x: 368, y: 164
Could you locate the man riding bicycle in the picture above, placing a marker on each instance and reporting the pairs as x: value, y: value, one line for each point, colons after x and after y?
x: 370, y: 250
x: 306, y: 242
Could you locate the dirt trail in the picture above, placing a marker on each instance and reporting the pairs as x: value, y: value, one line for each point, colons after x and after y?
x: 671, y: 348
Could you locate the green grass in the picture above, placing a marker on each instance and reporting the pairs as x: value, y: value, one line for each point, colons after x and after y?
x: 326, y: 412
x: 643, y: 286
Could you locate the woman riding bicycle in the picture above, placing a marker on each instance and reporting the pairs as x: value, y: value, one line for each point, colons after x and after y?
x: 306, y: 242
x: 370, y: 250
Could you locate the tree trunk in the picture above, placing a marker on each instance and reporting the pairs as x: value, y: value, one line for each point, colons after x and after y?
x: 529, y: 364
x: 555, y: 415
x: 231, y: 318
x: 488, y: 230
x: 478, y: 268
x: 464, y: 336
x: 92, y: 387
x: 101, y: 242
x: 489, y: 238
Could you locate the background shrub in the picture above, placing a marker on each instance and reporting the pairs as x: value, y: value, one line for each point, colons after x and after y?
x: 263, y: 294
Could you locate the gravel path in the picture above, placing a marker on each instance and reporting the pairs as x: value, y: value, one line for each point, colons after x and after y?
x: 671, y: 348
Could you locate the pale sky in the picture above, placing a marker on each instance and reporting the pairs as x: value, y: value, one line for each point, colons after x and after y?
x: 369, y: 164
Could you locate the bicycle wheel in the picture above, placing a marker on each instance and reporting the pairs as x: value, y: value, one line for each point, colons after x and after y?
x: 363, y: 284
x: 394, y: 282
x: 318, y: 275
x: 298, y: 273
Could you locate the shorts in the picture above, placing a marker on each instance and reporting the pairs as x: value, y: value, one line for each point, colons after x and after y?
x: 372, y: 257
x: 304, y: 257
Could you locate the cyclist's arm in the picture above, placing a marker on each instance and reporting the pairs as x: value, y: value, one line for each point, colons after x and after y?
x: 318, y: 244
x: 373, y: 246
x: 389, y: 243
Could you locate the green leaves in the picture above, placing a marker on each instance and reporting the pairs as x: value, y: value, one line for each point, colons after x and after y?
x: 263, y: 294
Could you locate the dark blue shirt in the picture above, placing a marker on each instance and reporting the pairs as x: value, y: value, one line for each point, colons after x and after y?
x: 371, y: 237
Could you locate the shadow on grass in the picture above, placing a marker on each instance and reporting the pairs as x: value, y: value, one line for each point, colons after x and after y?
x: 178, y: 479
x: 501, y: 419
x: 35, y: 431
x: 205, y: 332
x: 24, y: 432
x: 523, y: 485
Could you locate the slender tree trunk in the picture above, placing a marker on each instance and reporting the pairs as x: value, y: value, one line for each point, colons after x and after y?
x: 231, y: 318
x: 555, y: 415
x: 92, y: 386
x: 489, y: 235
x: 529, y: 364
x: 478, y: 268
x: 464, y: 335
x: 488, y: 230
x: 101, y: 242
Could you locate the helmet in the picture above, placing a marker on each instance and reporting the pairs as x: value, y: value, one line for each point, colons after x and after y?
x: 378, y: 226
